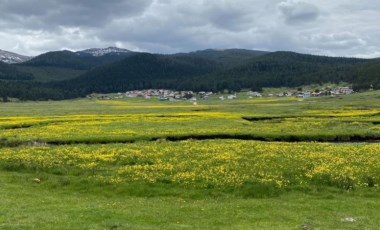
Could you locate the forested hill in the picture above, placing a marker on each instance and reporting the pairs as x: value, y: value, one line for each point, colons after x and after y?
x: 368, y: 74
x: 73, y: 60
x: 202, y: 70
x: 290, y: 69
x: 188, y: 72
x: 9, y: 72
x: 227, y: 58
x: 140, y: 71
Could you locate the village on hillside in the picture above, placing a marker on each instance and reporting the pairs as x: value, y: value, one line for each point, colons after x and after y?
x: 173, y: 95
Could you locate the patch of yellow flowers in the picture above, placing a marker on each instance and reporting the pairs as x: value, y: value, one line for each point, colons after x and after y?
x: 216, y: 163
x: 119, y: 127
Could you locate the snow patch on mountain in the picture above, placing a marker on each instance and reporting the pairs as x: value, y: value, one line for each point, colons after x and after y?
x: 12, y: 58
x: 97, y: 52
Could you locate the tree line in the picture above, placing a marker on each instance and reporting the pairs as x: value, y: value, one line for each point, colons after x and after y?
x: 186, y: 72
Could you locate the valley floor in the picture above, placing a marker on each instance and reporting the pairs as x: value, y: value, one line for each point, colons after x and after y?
x: 262, y: 163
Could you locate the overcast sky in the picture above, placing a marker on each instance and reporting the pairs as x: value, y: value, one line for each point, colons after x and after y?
x: 336, y: 28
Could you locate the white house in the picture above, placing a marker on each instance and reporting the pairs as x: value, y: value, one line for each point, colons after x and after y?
x: 254, y: 94
x: 231, y: 97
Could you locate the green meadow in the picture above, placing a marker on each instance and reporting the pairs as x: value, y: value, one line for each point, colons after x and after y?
x: 249, y: 163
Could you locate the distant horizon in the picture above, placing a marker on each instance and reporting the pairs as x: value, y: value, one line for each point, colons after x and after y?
x: 215, y: 49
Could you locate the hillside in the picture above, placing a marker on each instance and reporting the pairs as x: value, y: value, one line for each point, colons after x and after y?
x: 81, y: 60
x: 187, y: 72
x: 62, y: 59
x: 72, y: 75
x: 137, y: 72
x: 227, y: 57
x: 63, y: 65
x: 51, y: 73
x: 369, y: 75
x: 286, y: 69
x: 110, y: 51
x: 9, y: 72
x: 11, y: 58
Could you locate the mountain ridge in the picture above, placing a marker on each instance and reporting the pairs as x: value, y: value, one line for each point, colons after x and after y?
x: 205, y: 70
x: 97, y: 52
x: 12, y: 58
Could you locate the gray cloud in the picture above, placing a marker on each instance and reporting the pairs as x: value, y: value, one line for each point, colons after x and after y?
x: 42, y: 14
x: 340, y: 27
x: 229, y: 15
x: 298, y: 11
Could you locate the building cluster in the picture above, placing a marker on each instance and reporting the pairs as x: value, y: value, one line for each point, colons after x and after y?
x: 172, y: 95
x: 166, y: 94
x: 316, y: 93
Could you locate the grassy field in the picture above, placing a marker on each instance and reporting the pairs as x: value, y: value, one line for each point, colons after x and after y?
x: 261, y: 163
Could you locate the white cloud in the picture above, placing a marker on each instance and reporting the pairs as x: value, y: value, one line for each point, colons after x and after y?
x: 343, y: 40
